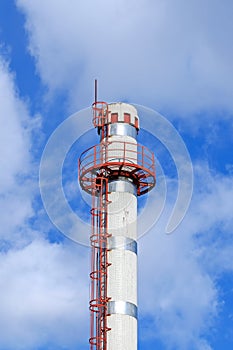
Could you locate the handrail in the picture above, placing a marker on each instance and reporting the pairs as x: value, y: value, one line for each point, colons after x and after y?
x: 93, y: 155
x: 100, y: 113
x: 118, y: 158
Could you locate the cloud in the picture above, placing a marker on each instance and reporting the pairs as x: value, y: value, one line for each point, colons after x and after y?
x: 14, y: 136
x: 16, y: 191
x: 43, y: 286
x: 170, y: 55
x: 187, y: 64
x: 42, y: 299
x: 178, y: 290
x: 176, y: 293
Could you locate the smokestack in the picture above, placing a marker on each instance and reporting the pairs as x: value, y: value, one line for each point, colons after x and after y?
x: 115, y: 172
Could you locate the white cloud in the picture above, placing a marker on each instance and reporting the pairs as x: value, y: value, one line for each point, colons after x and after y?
x: 16, y: 190
x: 170, y: 55
x: 43, y: 286
x: 187, y: 64
x: 44, y: 297
x: 14, y: 136
x: 176, y: 292
x: 178, y: 287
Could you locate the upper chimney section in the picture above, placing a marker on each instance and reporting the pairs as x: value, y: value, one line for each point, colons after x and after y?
x: 116, y: 119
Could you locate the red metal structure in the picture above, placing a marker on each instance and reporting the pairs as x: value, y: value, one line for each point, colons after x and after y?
x: 96, y: 168
x: 99, y: 264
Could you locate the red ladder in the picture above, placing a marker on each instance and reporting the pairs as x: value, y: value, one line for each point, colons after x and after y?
x: 99, y: 264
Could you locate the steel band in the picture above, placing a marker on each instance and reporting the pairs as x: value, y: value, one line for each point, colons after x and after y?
x: 122, y: 185
x: 123, y: 308
x: 122, y: 129
x: 123, y: 243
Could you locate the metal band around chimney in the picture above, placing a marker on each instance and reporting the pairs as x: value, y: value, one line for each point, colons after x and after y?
x: 122, y: 185
x: 123, y: 308
x: 122, y: 243
x: 122, y: 129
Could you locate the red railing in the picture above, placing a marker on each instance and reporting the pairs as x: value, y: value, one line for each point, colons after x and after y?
x: 100, y: 114
x: 118, y: 158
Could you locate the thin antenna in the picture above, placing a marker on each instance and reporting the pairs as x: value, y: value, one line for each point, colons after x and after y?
x: 95, y: 90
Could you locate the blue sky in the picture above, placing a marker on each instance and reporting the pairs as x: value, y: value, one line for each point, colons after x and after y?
x: 172, y: 56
